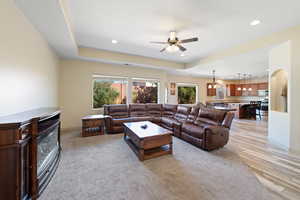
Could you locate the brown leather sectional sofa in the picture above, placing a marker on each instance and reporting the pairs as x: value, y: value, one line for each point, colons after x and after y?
x: 203, y: 127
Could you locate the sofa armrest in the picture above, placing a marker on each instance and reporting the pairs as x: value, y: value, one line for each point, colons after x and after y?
x: 215, y: 137
x: 177, y: 129
x: 228, y: 120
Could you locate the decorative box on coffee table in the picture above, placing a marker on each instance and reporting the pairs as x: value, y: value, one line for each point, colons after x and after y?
x: 92, y: 125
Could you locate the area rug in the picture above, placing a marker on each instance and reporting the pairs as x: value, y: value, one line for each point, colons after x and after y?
x: 105, y: 168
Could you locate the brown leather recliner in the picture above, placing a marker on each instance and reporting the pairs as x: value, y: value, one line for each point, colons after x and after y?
x: 209, y: 131
x: 180, y: 116
x: 174, y: 116
x: 167, y: 119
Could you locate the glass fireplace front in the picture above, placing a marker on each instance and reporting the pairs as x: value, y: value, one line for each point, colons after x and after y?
x: 47, y: 150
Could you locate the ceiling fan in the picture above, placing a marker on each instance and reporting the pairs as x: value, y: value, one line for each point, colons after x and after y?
x: 174, y: 44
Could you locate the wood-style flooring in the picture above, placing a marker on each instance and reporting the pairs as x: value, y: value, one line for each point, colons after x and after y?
x: 277, y: 169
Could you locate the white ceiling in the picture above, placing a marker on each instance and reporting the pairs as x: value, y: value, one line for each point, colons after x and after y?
x: 254, y: 63
x: 134, y: 23
x: 49, y: 19
x: 218, y: 24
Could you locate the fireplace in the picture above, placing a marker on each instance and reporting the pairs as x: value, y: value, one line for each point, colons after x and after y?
x: 29, y: 152
x: 45, y: 148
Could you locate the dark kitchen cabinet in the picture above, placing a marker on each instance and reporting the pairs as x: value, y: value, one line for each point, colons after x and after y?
x: 211, y: 91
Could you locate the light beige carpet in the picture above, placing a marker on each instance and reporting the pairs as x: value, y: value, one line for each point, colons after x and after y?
x: 105, y: 168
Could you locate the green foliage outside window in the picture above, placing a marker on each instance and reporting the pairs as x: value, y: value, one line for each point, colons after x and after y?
x: 186, y: 95
x: 104, y: 94
x: 145, y: 94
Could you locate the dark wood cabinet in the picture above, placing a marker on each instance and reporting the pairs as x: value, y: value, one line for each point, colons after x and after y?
x: 263, y: 86
x: 211, y: 91
x: 92, y: 125
x: 254, y: 88
x: 20, y: 171
x: 238, y: 91
x: 14, y: 161
x: 233, y: 89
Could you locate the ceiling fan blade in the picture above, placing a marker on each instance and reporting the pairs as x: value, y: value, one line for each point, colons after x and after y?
x: 163, y: 49
x: 189, y: 40
x: 159, y: 42
x: 181, y: 48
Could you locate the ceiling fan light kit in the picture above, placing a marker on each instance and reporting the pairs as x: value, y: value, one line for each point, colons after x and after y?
x: 172, y: 48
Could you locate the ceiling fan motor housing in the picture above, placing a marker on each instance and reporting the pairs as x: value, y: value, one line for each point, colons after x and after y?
x: 172, y: 42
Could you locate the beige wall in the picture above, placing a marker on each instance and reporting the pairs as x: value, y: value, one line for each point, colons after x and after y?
x: 279, y: 122
x: 76, y: 86
x: 76, y: 79
x: 28, y: 67
x: 200, y: 82
x: 294, y: 91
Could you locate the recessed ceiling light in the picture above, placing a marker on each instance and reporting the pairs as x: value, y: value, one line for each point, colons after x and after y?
x: 255, y: 22
x: 182, y: 54
x: 114, y: 41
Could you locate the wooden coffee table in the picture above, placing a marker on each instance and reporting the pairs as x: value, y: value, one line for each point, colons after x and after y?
x: 150, y: 142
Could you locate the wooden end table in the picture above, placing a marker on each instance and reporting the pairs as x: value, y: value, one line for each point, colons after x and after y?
x: 92, y: 125
x: 150, y: 142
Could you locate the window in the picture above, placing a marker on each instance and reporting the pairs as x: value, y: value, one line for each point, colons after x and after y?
x: 187, y: 93
x: 109, y: 90
x: 144, y: 91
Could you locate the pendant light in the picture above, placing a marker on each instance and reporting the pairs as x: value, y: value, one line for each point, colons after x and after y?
x: 250, y: 88
x: 244, y: 86
x: 213, y: 84
x: 239, y: 88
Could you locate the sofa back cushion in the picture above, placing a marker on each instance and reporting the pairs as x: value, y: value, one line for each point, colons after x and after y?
x: 154, y: 109
x: 210, y: 116
x: 193, y: 114
x: 137, y: 110
x: 182, y: 113
x: 169, y: 110
x: 116, y: 110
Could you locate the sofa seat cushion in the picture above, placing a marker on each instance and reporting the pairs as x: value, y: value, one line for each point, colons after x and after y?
x: 155, y: 120
x: 120, y: 121
x: 139, y: 119
x: 193, y: 130
x: 193, y: 140
x: 200, y: 121
x: 169, y: 121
